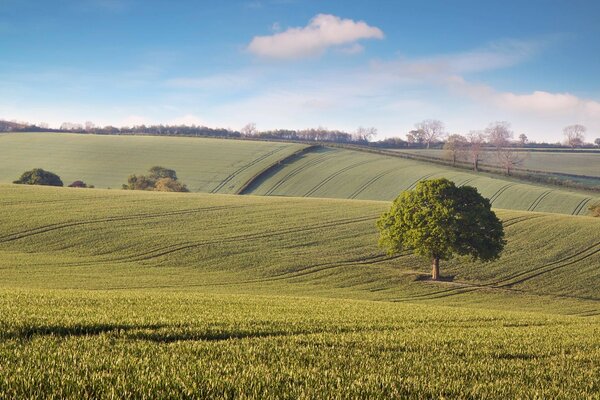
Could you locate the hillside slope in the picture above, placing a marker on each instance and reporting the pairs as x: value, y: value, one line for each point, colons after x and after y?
x: 341, y: 173
x: 205, y: 165
x: 100, y: 239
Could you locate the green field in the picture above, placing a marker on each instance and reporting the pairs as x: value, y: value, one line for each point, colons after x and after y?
x: 225, y: 166
x: 132, y: 294
x: 205, y: 165
x: 585, y: 163
x: 350, y: 174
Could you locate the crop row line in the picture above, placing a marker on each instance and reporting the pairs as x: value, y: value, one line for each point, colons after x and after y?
x: 581, y: 205
x: 330, y: 177
x: 245, y: 167
x: 500, y: 191
x: 51, y: 227
x: 371, y: 181
x: 538, y: 200
x: 316, y: 161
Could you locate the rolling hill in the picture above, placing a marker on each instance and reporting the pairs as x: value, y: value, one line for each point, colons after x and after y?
x: 205, y: 165
x: 150, y: 294
x: 262, y: 168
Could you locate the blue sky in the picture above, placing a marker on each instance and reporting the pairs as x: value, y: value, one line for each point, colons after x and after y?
x: 299, y: 64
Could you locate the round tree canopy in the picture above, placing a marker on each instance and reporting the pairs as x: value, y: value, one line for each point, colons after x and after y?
x: 38, y: 176
x: 439, y: 220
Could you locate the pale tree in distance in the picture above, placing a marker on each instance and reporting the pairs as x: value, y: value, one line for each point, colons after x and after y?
x: 574, y: 135
x: 455, y: 147
x: 249, y: 129
x: 476, y: 140
x: 499, y: 134
x: 597, y: 142
x: 432, y: 130
x: 365, y: 134
x: 523, y: 139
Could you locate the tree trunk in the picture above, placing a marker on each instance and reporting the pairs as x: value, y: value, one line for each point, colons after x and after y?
x: 435, y: 269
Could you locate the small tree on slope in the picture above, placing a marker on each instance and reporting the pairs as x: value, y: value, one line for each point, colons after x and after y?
x: 439, y: 220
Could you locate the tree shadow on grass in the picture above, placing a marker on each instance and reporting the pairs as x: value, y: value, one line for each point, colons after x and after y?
x: 158, y: 333
x: 427, y: 277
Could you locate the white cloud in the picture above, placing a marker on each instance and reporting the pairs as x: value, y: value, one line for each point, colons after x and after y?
x: 134, y: 120
x: 538, y: 102
x: 355, y: 48
x: 189, y: 120
x: 322, y: 32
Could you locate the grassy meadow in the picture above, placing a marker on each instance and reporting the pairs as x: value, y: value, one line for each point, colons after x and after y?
x: 133, y: 294
x: 347, y: 174
x: 205, y: 165
x: 226, y: 166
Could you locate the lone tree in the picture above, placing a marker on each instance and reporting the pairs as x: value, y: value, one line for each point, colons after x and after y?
x: 38, y: 176
x: 438, y: 220
x: 574, y: 135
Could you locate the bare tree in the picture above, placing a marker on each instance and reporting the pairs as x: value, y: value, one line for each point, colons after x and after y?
x: 597, y: 142
x: 523, y: 139
x: 431, y: 130
x: 249, y: 129
x: 364, y: 134
x: 509, y: 158
x: 499, y: 134
x: 476, y: 140
x: 89, y: 125
x: 574, y: 135
x: 455, y: 147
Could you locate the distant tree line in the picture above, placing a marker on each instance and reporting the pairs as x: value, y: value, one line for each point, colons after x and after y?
x: 429, y: 134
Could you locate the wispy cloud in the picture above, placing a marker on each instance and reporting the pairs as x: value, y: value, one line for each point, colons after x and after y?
x: 322, y: 32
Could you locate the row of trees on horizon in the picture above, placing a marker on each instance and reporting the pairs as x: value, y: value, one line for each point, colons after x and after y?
x: 429, y: 133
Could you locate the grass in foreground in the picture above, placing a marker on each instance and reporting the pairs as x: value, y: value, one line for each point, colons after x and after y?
x: 132, y: 294
x: 77, y: 344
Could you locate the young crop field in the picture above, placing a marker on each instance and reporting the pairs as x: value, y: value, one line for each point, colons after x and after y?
x: 205, y: 165
x: 350, y: 174
x: 132, y: 294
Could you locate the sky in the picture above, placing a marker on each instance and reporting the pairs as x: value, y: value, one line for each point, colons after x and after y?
x: 295, y: 64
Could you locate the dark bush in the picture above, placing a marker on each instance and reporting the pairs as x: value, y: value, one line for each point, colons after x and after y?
x: 38, y: 176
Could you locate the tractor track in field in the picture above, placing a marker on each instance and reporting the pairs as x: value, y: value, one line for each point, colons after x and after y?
x: 335, y: 174
x: 507, y: 282
x: 500, y: 191
x: 251, y: 236
x: 538, y: 200
x: 245, y: 167
x: 463, y: 183
x: 316, y: 161
x: 52, y: 227
x: 414, y: 184
x: 371, y: 181
x: 581, y: 205
x: 181, y: 246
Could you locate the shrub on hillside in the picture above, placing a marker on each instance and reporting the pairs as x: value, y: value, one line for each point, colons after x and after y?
x: 160, y: 179
x: 170, y: 185
x: 80, y: 184
x: 595, y: 210
x: 38, y: 176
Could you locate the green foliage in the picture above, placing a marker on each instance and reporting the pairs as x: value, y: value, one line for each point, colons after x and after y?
x: 38, y: 176
x: 439, y: 220
x: 169, y: 185
x: 160, y: 179
x: 80, y: 184
x: 106, y: 160
x: 157, y: 173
